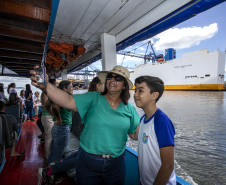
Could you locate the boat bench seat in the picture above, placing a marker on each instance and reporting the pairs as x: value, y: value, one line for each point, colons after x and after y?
x: 2, y: 146
x: 15, y: 111
x: 6, y: 139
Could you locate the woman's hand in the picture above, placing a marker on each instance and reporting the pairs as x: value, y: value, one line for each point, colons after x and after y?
x: 34, y: 80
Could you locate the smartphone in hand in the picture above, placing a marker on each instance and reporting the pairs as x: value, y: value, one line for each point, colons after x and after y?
x: 40, y: 74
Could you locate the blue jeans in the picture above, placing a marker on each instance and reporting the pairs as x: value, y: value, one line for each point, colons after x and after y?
x: 67, y: 163
x: 60, y: 138
x: 29, y: 108
x: 94, y: 170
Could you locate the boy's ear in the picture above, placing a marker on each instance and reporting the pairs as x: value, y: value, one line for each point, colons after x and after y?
x: 155, y: 94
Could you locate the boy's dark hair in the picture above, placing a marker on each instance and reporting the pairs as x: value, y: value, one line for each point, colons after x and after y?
x: 93, y: 84
x: 155, y: 84
x: 2, y: 105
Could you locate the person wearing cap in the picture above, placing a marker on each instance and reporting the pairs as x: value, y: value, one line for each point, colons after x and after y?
x: 108, y: 118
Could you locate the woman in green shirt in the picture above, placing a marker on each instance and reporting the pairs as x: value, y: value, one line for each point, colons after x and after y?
x: 108, y: 118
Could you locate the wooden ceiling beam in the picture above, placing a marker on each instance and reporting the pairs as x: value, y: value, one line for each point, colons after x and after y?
x: 18, y: 61
x: 40, y: 3
x: 21, y: 65
x: 20, y: 55
x: 31, y: 43
x: 23, y: 22
x: 21, y: 33
x: 24, y: 9
x: 20, y: 47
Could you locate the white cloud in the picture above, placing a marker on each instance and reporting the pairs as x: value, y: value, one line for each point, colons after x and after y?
x: 142, y: 49
x: 185, y: 37
x: 128, y: 61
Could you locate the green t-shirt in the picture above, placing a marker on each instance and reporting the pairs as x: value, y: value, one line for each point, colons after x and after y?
x: 105, y: 129
x: 66, y: 116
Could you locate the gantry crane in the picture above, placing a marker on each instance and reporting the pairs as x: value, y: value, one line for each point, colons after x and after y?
x: 85, y: 73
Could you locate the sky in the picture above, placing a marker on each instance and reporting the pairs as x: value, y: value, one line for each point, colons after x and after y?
x: 205, y: 30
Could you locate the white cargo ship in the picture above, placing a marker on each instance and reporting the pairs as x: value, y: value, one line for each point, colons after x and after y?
x: 197, y: 70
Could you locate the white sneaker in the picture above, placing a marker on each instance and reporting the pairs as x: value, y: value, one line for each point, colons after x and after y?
x: 24, y: 118
x: 42, y: 176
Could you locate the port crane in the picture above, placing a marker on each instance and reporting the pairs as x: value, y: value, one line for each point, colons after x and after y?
x: 152, y: 56
x: 86, y: 73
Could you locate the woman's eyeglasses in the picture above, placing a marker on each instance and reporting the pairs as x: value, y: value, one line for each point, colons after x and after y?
x: 118, y: 78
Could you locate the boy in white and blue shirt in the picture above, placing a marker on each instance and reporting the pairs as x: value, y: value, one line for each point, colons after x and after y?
x: 156, y: 135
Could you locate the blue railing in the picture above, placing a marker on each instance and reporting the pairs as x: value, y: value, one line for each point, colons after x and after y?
x: 132, y: 173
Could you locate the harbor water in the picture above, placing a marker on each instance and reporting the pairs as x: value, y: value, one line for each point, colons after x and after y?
x: 199, y: 118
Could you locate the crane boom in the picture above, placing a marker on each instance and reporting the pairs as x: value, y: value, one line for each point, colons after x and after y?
x: 147, y: 57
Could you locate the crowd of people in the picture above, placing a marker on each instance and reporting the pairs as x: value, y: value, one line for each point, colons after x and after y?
x: 25, y: 99
x: 108, y: 119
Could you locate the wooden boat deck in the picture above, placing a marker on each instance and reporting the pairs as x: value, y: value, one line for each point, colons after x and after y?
x: 24, y: 171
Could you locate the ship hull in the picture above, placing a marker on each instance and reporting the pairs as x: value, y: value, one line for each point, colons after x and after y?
x: 199, y: 71
x: 196, y: 87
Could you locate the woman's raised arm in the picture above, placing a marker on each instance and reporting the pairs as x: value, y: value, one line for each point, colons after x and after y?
x: 56, y: 95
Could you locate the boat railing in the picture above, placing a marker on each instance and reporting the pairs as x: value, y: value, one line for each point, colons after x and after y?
x: 132, y: 173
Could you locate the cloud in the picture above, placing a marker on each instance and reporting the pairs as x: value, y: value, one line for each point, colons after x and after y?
x: 184, y: 37
x: 142, y: 49
x: 128, y: 61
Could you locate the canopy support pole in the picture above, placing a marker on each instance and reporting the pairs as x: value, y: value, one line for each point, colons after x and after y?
x: 108, y: 50
x: 64, y: 74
